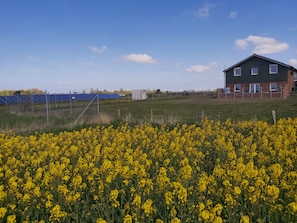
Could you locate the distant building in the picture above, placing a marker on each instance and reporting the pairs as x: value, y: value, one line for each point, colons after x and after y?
x: 139, y: 95
x: 258, y: 77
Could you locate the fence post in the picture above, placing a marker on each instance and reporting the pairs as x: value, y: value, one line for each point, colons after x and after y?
x: 47, y: 108
x: 98, y: 113
x: 32, y: 102
x: 274, y: 117
x: 152, y: 116
x: 70, y: 100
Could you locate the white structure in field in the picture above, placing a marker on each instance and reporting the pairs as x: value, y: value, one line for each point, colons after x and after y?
x: 139, y: 95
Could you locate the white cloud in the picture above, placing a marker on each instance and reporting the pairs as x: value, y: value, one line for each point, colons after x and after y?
x: 241, y: 43
x: 197, y: 68
x: 262, y: 45
x: 98, y: 50
x: 233, y: 15
x: 139, y: 58
x: 293, y: 62
x: 201, y: 68
x: 205, y: 10
x: 213, y: 64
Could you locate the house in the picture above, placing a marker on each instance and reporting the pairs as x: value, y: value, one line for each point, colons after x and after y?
x: 258, y: 77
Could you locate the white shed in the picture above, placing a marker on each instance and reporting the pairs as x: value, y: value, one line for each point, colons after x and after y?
x: 139, y: 95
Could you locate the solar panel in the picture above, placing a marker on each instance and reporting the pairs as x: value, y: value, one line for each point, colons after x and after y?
x: 41, y: 99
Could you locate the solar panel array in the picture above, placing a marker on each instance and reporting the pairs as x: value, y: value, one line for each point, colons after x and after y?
x: 53, y: 98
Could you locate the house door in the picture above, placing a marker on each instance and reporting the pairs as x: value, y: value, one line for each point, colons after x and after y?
x: 254, y: 88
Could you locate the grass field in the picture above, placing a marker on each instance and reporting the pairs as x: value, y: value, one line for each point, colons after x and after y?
x: 156, y: 110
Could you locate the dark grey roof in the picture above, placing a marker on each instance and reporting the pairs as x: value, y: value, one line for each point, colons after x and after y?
x: 261, y: 57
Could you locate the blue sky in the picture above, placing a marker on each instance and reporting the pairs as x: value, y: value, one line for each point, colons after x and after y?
x: 174, y: 45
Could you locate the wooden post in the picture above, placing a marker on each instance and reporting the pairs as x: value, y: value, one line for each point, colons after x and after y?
x: 273, y: 117
x: 152, y: 116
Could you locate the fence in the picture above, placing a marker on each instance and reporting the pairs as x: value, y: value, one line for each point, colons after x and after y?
x: 52, y: 98
x: 221, y: 94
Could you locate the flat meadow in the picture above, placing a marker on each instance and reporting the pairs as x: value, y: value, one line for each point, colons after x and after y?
x: 184, y: 159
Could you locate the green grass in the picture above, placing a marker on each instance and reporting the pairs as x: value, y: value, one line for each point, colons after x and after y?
x: 159, y: 110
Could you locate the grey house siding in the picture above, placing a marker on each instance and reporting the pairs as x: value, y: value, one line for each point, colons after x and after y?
x: 263, y: 72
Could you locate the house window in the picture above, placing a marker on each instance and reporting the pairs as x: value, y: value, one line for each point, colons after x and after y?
x: 237, y: 71
x: 273, y: 69
x: 254, y: 88
x: 254, y: 71
x: 237, y: 88
x: 273, y: 86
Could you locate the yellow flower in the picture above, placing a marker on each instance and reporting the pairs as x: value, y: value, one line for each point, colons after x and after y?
x: 173, y: 212
x: 168, y: 198
x: 12, y: 206
x: 11, y: 219
x: 77, y: 181
x: 2, y: 212
x: 137, y: 200
x: 218, y: 219
x: 113, y: 195
x: 147, y: 207
x: 127, y: 219
x: 175, y: 220
x: 57, y: 214
x: 229, y: 199
x: 101, y: 220
x: 293, y: 207
x: 204, y: 215
x: 3, y: 194
x: 244, y: 219
x: 272, y: 191
x: 201, y: 206
x: 48, y: 204
x: 218, y: 209
x: 162, y: 179
x: 236, y: 190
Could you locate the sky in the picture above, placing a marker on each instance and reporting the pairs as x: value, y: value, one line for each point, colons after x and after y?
x: 173, y: 45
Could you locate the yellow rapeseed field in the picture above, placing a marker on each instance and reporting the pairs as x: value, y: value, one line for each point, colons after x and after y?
x: 215, y: 172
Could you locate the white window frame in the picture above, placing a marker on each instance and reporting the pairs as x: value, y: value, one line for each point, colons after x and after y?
x: 254, y: 71
x: 237, y: 71
x: 253, y: 88
x: 237, y: 87
x: 273, y: 68
x: 271, y: 88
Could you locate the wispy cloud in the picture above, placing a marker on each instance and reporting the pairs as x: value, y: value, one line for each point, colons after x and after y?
x: 139, y: 58
x: 262, y: 45
x: 98, y: 50
x: 205, y: 10
x: 293, y: 28
x: 177, y: 65
x: 233, y: 15
x: 293, y: 62
x: 201, y: 68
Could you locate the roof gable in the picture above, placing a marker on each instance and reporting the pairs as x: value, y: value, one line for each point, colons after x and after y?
x: 260, y: 57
